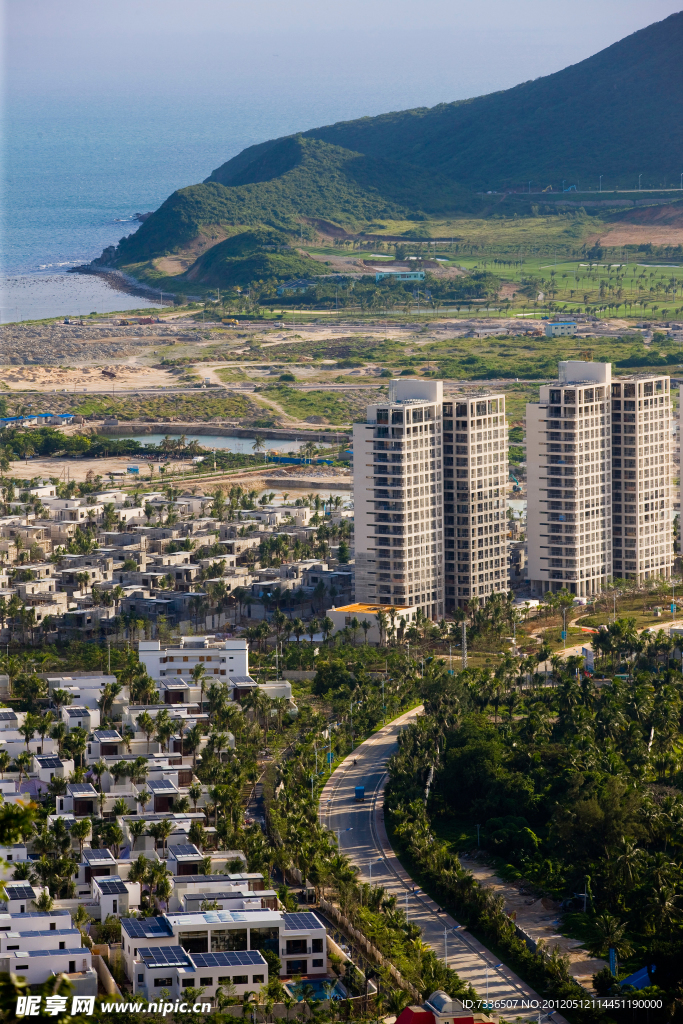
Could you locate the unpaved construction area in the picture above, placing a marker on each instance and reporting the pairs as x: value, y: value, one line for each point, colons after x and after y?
x: 85, y: 378
x: 541, y: 919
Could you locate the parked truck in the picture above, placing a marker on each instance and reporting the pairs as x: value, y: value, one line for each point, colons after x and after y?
x: 360, y: 794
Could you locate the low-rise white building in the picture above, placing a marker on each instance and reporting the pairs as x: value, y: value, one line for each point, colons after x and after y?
x: 367, y: 613
x: 220, y: 658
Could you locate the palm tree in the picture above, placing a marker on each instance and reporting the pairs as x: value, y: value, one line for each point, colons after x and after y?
x: 199, y: 679
x: 144, y: 798
x: 161, y: 830
x: 164, y: 728
x: 259, y: 444
x: 137, y: 830
x: 192, y: 741
x: 146, y: 724
x: 610, y: 934
x: 80, y: 830
x: 195, y: 792
x: 29, y: 727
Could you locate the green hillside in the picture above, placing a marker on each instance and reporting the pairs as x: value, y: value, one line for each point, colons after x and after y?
x: 259, y: 255
x: 297, y: 177
x: 618, y: 114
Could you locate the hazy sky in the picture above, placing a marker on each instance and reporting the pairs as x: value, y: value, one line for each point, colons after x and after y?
x: 419, y: 53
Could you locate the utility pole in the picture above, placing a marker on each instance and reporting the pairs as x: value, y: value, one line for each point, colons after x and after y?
x: 464, y: 644
x: 600, y: 183
x: 640, y: 176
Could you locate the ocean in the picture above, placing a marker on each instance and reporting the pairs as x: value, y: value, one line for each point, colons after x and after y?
x: 109, y: 109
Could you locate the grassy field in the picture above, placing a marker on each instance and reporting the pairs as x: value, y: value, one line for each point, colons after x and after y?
x: 334, y: 407
x: 204, y: 405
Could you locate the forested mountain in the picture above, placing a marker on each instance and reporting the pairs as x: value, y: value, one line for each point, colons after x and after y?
x: 617, y: 114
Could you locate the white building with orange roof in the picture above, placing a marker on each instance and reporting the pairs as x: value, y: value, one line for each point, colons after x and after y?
x: 398, y: 617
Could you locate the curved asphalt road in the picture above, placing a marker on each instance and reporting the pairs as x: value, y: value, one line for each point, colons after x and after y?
x: 363, y: 838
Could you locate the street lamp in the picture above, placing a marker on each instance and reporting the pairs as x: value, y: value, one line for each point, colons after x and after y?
x: 601, y: 182
x: 380, y: 860
x: 495, y: 967
x: 640, y: 176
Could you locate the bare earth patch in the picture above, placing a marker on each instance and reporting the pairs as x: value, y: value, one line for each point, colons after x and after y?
x: 641, y: 234
x: 84, y: 378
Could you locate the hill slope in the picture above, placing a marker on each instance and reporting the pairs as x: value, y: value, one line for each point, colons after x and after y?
x: 296, y: 177
x: 618, y: 114
x: 258, y: 255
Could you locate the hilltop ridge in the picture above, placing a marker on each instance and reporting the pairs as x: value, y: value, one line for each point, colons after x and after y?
x: 616, y: 115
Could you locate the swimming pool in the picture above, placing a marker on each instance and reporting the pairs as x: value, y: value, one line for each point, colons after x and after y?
x: 318, y: 985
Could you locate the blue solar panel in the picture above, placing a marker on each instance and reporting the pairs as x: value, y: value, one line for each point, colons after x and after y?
x: 58, y: 931
x: 248, y: 958
x: 51, y: 952
x: 301, y: 922
x: 111, y: 886
x: 164, y: 956
x: 19, y: 892
x: 147, y: 928
x: 184, y: 851
x: 95, y: 856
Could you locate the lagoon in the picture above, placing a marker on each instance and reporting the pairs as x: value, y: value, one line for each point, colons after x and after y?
x: 241, y: 445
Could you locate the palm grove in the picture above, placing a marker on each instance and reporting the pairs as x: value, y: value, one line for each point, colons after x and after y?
x: 576, y: 789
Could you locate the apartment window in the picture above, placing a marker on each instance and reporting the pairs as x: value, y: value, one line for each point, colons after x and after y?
x: 227, y: 939
x: 187, y: 982
x: 264, y: 938
x: 162, y: 982
x: 240, y: 979
x: 206, y: 981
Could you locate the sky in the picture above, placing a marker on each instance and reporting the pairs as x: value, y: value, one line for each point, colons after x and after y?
x: 221, y: 51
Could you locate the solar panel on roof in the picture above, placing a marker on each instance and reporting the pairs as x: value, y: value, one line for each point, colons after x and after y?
x: 36, y: 913
x: 107, y: 734
x: 50, y: 952
x: 91, y: 856
x: 79, y: 789
x: 149, y: 928
x: 7, y: 716
x: 301, y: 922
x: 19, y: 892
x: 167, y: 956
x: 161, y: 784
x: 184, y: 851
x: 111, y: 886
x: 242, y: 679
x: 228, y: 959
x: 45, y: 761
x: 59, y: 931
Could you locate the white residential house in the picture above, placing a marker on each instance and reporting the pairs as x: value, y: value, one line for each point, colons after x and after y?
x: 220, y: 658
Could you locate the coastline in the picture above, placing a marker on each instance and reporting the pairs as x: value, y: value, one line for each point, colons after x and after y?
x: 119, y: 281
